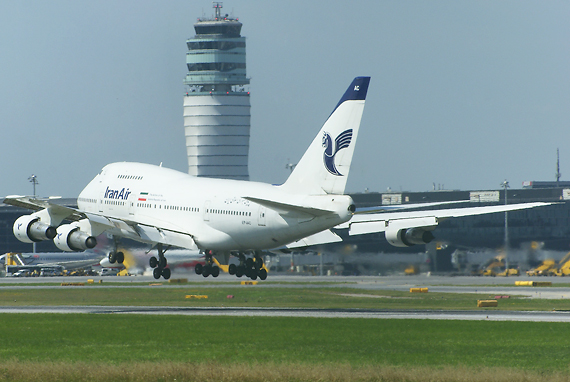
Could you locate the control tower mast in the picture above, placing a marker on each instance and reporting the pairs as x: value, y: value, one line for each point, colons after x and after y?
x: 216, y: 104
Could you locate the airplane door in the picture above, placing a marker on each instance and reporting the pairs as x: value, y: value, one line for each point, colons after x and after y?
x: 207, y: 205
x: 261, y: 216
x: 100, y: 201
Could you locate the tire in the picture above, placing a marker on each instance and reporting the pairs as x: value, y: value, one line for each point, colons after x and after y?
x: 153, y: 262
x: 120, y: 257
x: 198, y: 269
x: 157, y: 272
x: 239, y: 271
x: 262, y: 274
x: 232, y: 269
x: 206, y: 271
x: 166, y: 273
x: 249, y: 263
x: 162, y: 262
x: 215, y: 271
x: 112, y: 257
x: 253, y: 274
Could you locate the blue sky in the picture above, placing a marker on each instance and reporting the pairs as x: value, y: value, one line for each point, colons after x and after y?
x: 463, y: 94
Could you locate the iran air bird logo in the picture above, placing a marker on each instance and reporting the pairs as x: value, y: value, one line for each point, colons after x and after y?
x: 341, y: 142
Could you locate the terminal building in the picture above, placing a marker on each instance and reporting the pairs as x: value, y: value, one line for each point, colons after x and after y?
x: 216, y: 103
x: 549, y: 225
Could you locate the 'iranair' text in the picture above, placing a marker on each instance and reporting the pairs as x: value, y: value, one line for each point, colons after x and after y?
x: 116, y: 194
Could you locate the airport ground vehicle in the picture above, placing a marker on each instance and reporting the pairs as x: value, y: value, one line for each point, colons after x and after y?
x: 549, y: 267
x: 21, y: 273
x: 543, y: 268
x: 109, y: 272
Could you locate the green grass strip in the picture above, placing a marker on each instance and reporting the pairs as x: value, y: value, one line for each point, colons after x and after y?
x: 124, y: 339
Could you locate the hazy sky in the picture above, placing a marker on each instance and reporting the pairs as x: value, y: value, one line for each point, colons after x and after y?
x: 463, y: 94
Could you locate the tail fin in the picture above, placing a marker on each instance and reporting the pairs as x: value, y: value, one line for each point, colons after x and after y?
x: 324, y: 167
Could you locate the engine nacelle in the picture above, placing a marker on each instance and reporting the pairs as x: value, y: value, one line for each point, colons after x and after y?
x: 71, y: 238
x: 30, y: 229
x: 407, y: 237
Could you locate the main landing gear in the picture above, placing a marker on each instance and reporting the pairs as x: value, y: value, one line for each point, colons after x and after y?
x: 210, y: 268
x: 116, y: 257
x: 251, y: 267
x: 159, y: 265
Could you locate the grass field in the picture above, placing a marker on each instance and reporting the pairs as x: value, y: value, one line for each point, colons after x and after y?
x: 80, y: 347
x: 117, y: 347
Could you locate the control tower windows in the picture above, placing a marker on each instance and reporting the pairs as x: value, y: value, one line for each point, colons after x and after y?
x: 217, y: 66
x: 218, y: 45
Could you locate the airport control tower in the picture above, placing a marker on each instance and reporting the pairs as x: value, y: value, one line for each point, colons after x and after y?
x: 216, y: 104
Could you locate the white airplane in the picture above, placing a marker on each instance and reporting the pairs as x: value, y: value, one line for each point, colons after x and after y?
x: 51, y: 260
x: 136, y: 261
x: 220, y: 217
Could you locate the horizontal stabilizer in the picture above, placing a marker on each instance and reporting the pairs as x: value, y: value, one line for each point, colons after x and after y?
x: 284, y: 208
x: 323, y: 237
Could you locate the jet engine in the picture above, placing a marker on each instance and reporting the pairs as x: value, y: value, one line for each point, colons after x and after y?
x: 71, y: 238
x: 30, y: 229
x: 406, y: 237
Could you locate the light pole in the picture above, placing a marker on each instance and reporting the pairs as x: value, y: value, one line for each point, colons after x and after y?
x: 34, y: 180
x: 505, y: 185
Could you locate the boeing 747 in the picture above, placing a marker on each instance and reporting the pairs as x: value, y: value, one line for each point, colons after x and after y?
x: 223, y: 218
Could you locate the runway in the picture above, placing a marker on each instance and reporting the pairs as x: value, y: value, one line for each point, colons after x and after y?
x: 498, y: 286
x: 443, y: 284
x: 494, y: 315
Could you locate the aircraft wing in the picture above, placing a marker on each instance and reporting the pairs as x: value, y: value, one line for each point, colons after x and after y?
x: 71, y: 265
x: 36, y: 204
x: 379, y: 222
x: 404, y: 228
x: 401, y: 207
x: 96, y: 224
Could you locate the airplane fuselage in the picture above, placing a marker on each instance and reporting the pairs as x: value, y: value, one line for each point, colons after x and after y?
x: 217, y: 214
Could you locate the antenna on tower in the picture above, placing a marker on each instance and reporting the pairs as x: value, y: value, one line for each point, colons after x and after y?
x: 218, y: 9
x: 558, y: 174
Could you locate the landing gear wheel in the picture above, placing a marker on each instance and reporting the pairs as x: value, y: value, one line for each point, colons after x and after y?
x: 215, y: 271
x: 198, y: 269
x: 232, y: 269
x: 166, y: 273
x: 120, y: 257
x: 153, y: 262
x: 253, y: 274
x: 157, y: 272
x: 240, y: 271
x: 262, y: 274
x: 112, y: 257
x: 162, y: 262
x: 206, y: 271
x: 249, y: 263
